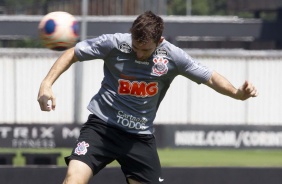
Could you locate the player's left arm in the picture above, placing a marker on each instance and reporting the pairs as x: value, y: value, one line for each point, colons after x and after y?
x: 223, y: 86
x: 60, y: 66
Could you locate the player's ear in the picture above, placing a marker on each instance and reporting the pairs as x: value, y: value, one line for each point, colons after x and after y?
x: 161, y: 40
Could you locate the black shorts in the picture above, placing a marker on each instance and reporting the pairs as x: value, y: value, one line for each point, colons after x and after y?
x: 99, y: 145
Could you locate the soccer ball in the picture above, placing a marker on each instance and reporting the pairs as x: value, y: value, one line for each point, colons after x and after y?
x: 58, y: 30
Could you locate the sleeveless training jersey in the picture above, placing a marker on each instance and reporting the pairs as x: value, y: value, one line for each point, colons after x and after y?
x: 132, y: 90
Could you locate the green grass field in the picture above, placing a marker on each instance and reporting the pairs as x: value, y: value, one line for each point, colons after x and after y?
x: 187, y: 157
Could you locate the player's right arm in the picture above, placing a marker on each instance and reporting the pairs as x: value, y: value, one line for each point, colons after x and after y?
x: 60, y: 66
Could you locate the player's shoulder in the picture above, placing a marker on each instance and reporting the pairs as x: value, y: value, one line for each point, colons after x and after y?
x: 110, y: 38
x: 172, y: 50
x: 122, y: 36
x: 118, y: 37
x: 168, y: 45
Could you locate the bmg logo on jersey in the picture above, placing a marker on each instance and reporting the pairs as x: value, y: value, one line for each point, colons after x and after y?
x: 138, y: 89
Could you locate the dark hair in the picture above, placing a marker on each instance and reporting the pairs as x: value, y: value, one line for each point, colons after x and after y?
x: 147, y: 26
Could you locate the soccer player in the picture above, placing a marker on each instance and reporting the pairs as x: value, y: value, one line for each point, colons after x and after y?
x: 138, y: 69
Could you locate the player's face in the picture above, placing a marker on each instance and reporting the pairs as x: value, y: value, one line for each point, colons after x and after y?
x: 143, y: 51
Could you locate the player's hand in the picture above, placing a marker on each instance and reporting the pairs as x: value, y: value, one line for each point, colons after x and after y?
x: 247, y: 90
x: 46, y: 98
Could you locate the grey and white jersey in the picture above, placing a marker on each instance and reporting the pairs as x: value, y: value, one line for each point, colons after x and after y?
x: 132, y: 90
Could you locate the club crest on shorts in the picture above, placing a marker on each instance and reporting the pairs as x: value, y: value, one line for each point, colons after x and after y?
x: 81, y: 148
x: 160, y: 66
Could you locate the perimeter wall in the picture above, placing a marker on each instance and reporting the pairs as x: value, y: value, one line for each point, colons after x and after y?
x: 22, y: 70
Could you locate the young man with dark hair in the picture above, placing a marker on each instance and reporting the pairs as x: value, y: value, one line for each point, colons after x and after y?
x: 138, y: 69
